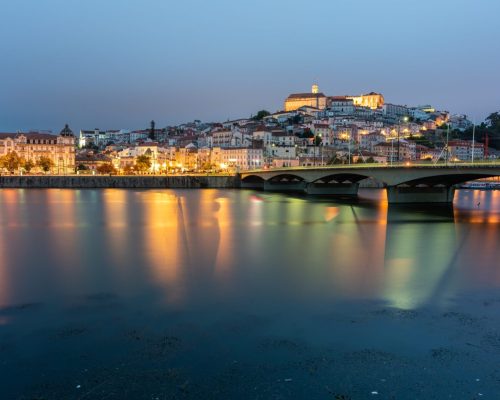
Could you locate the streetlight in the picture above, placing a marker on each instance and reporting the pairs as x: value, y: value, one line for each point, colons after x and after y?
x: 473, y: 137
x: 349, y: 147
x: 392, y: 150
x: 405, y: 119
x: 321, y: 147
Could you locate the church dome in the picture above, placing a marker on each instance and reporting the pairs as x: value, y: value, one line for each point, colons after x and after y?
x: 66, y: 131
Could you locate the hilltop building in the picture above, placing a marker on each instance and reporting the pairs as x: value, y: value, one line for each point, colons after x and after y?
x: 371, y: 100
x: 314, y: 99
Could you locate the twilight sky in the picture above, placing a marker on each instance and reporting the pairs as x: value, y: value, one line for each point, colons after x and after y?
x: 121, y: 63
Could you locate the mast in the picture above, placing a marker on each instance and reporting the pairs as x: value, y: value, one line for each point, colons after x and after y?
x: 447, y: 137
x: 473, y: 135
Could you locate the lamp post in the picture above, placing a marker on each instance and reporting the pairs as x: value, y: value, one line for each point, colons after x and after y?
x: 473, y: 137
x: 349, y: 147
x: 405, y: 119
x: 392, y: 150
x: 320, y: 144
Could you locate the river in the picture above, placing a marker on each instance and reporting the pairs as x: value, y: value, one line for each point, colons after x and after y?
x: 234, y: 294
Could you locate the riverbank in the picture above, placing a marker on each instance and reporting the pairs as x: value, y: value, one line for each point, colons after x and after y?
x: 134, y: 181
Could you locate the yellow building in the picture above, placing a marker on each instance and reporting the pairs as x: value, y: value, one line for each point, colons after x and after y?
x: 32, y: 146
x: 371, y: 100
x: 313, y: 99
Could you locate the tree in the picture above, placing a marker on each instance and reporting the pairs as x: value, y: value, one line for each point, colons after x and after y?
x: 106, y: 168
x: 11, y: 161
x: 128, y: 169
x: 28, y: 165
x: 82, y: 167
x: 370, y: 160
x: 306, y: 133
x: 493, y: 121
x: 317, y: 140
x: 45, y: 163
x: 261, y: 114
x: 91, y: 146
x: 142, y: 163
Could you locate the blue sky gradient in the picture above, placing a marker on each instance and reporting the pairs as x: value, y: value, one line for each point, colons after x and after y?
x: 119, y: 63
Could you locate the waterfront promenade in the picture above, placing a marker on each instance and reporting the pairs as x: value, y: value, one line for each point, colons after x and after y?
x: 404, y: 183
x: 120, y: 181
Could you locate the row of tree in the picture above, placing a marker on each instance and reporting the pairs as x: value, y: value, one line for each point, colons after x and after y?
x: 142, y: 165
x: 13, y: 161
x: 490, y: 127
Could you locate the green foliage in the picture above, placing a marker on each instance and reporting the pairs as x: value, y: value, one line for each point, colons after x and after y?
x: 45, y: 163
x: 142, y: 163
x: 28, y: 165
x: 370, y: 160
x: 423, y: 141
x: 493, y: 121
x: 307, y: 133
x: 91, y: 146
x: 317, y: 140
x: 11, y: 161
x: 82, y: 167
x: 260, y: 115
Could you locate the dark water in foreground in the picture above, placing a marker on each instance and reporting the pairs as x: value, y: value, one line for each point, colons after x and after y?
x: 208, y: 294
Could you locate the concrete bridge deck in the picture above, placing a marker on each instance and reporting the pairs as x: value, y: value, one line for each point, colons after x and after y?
x: 405, y: 183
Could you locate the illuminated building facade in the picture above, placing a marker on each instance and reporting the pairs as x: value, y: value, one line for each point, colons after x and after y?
x: 60, y: 149
x: 242, y: 158
x: 314, y: 99
x: 462, y: 150
x: 371, y: 100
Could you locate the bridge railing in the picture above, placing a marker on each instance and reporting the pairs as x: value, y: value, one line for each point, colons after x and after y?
x: 406, y: 164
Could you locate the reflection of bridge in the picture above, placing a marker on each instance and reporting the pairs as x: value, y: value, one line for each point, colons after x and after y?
x: 405, y: 184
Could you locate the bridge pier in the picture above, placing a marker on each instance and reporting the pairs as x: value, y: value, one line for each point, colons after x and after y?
x: 286, y: 187
x: 417, y: 194
x: 332, y: 189
x: 256, y: 185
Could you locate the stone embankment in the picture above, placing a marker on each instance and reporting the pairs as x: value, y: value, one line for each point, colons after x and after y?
x: 125, y: 182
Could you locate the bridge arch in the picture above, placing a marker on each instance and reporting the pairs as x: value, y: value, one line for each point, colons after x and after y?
x: 340, y: 178
x: 286, y: 178
x: 449, y: 179
x: 404, y: 184
x: 253, y: 179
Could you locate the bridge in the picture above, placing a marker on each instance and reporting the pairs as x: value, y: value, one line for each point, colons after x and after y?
x: 405, y: 183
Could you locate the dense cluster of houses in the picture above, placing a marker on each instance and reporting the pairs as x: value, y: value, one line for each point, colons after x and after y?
x: 314, y: 130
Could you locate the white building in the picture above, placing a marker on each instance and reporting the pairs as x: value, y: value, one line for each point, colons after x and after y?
x: 395, y: 110
x: 461, y: 150
x: 340, y: 105
x: 237, y: 158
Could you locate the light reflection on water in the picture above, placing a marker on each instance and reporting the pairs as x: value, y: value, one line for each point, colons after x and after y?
x: 229, y: 272
x: 198, y: 245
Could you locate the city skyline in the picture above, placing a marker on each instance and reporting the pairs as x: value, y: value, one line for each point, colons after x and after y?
x: 121, y: 64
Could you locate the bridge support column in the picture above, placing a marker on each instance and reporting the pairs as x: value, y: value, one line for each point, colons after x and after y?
x: 332, y: 189
x: 256, y: 185
x: 416, y: 194
x: 286, y: 187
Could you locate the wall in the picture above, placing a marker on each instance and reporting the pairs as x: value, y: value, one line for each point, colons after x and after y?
x: 194, y: 182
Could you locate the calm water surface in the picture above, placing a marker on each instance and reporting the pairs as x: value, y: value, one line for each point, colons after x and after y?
x: 180, y: 294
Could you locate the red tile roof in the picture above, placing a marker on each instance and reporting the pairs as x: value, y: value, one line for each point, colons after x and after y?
x: 305, y: 95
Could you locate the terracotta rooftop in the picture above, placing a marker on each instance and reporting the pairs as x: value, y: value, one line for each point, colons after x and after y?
x: 305, y: 95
